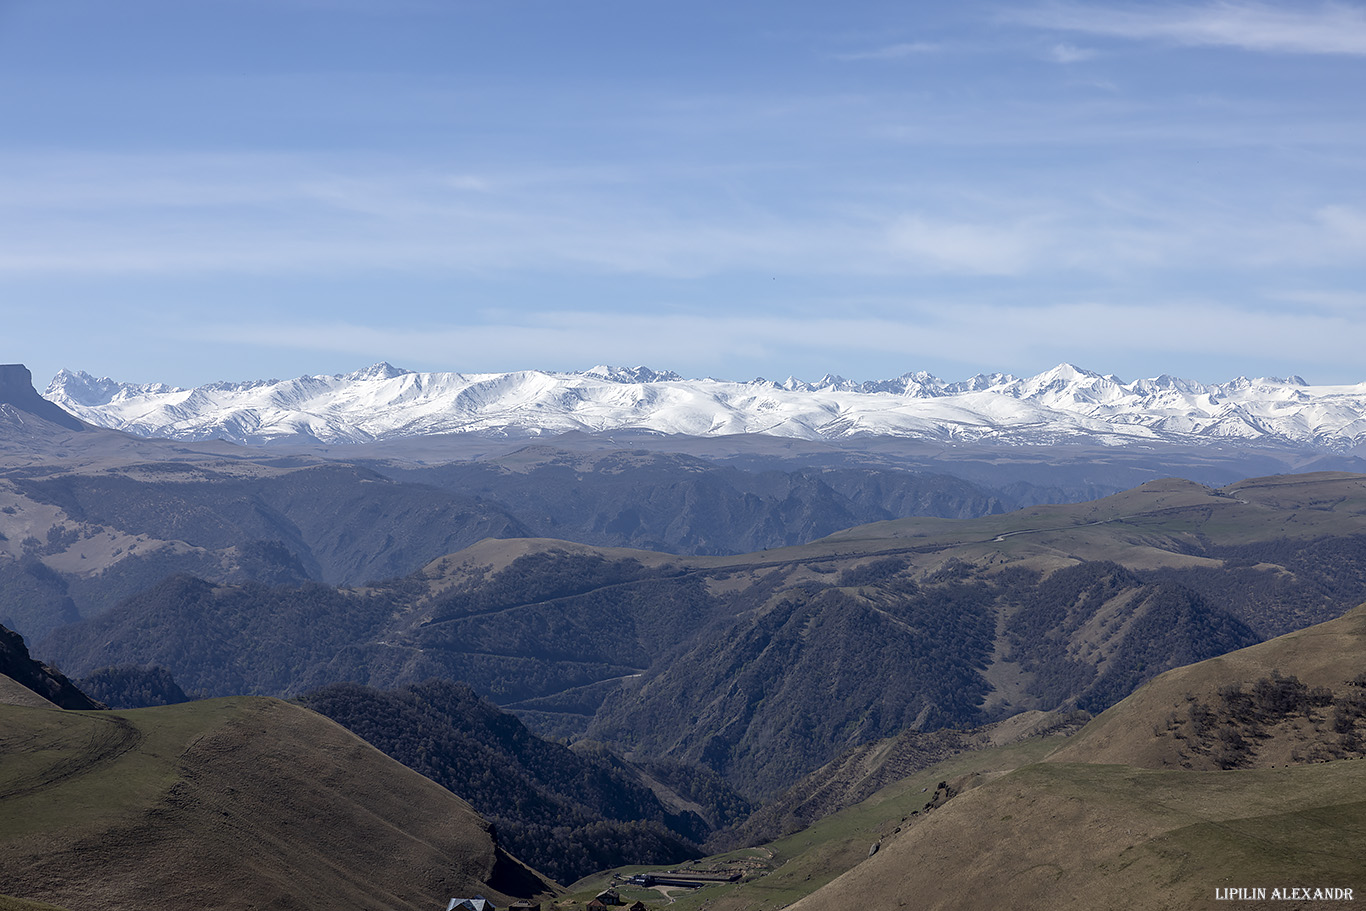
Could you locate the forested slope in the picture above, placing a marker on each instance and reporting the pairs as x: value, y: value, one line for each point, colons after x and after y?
x: 566, y: 812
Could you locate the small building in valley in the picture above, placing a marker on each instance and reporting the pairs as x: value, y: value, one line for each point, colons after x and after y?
x: 478, y: 903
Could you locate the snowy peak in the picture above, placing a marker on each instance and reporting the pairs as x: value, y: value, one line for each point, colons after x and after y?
x: 1065, y: 404
x: 80, y: 388
x: 381, y: 371
x: 1067, y: 373
x: 630, y: 375
x: 1066, y: 381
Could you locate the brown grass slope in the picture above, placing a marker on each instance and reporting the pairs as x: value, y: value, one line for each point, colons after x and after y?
x: 229, y: 803
x: 1074, y: 836
x: 12, y: 692
x: 1160, y: 725
x: 1123, y: 816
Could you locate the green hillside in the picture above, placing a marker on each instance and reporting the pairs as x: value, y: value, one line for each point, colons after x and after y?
x: 1061, y: 835
x: 229, y: 803
x: 18, y: 904
x: 1300, y: 697
x: 1122, y: 816
x: 1130, y: 812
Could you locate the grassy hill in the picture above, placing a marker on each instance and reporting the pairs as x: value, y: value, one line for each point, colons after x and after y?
x: 1168, y: 523
x: 18, y: 904
x: 1300, y: 697
x: 780, y: 872
x: 1112, y: 817
x: 1127, y: 815
x: 1063, y: 835
x: 229, y: 803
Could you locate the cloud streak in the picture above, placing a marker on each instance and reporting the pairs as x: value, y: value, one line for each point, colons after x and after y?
x: 1001, y: 335
x: 1328, y: 28
x: 1069, y: 53
x: 972, y: 248
x: 170, y: 216
x: 891, y: 51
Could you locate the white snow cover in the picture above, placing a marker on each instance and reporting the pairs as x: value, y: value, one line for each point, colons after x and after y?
x: 1064, y: 404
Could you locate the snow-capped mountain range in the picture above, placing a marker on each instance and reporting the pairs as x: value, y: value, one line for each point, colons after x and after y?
x: 1065, y: 404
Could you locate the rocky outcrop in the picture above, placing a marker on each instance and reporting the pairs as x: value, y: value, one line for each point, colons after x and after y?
x: 48, y: 682
x: 16, y: 389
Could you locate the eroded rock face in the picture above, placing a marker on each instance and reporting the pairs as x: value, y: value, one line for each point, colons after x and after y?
x: 16, y: 389
x: 48, y: 682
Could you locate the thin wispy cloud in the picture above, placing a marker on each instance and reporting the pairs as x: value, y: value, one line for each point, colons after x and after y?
x: 1328, y: 28
x: 1069, y: 53
x: 275, y: 215
x: 1346, y: 225
x: 1339, y: 303
x: 925, y: 327
x: 891, y: 51
x: 968, y: 248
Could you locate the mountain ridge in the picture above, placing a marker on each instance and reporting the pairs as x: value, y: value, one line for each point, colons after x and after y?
x: 1064, y: 404
x: 764, y: 666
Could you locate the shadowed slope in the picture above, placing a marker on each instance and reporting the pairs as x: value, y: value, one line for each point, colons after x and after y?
x: 861, y: 772
x: 42, y: 680
x: 568, y: 812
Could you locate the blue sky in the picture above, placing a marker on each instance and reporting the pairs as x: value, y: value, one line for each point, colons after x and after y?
x: 237, y: 189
